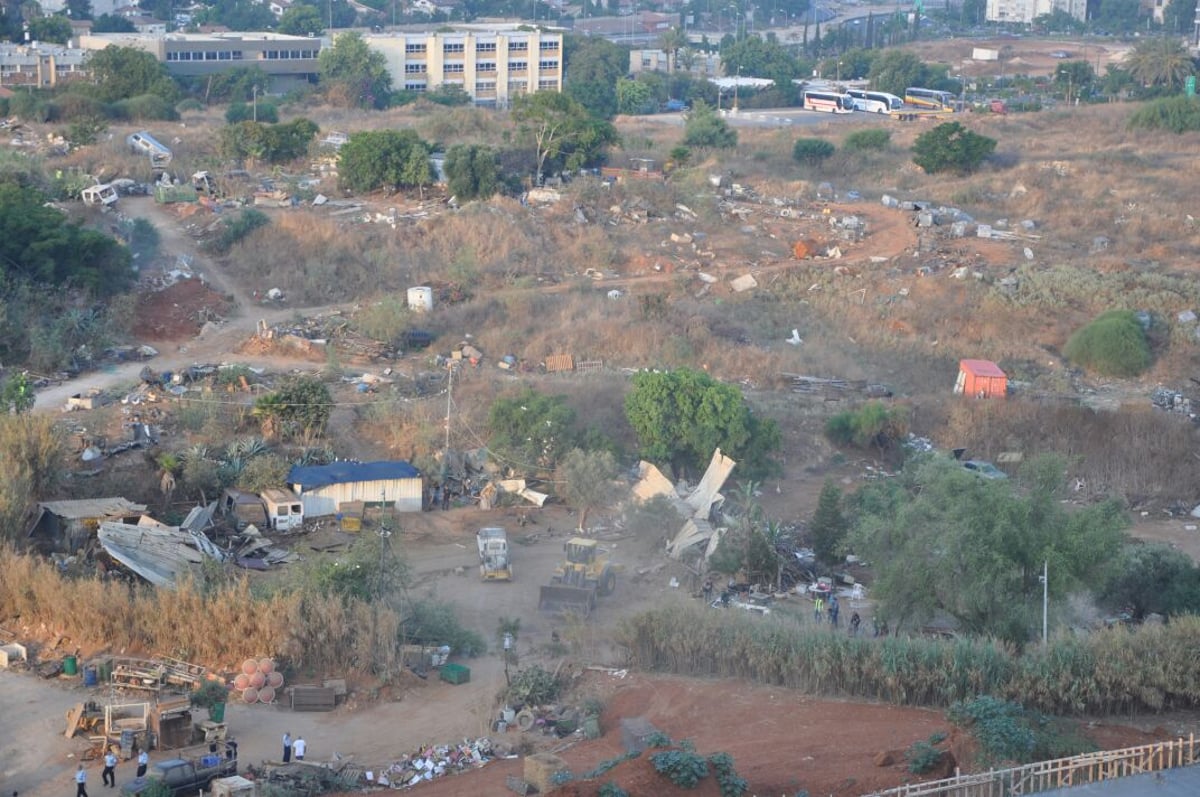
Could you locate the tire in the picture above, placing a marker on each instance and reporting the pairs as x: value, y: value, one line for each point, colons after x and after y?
x: 879, y: 111
x: 608, y: 583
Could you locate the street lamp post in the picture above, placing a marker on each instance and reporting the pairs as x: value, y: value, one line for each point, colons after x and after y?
x: 1045, y: 579
x: 255, y: 103
x: 839, y: 71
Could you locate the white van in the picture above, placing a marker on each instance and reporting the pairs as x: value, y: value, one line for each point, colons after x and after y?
x: 143, y: 143
x: 284, y: 509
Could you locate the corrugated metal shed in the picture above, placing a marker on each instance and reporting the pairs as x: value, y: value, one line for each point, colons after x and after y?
x: 981, y: 379
x: 324, y: 488
x: 87, y: 508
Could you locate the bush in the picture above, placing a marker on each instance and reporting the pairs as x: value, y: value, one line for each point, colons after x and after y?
x: 534, y: 686
x: 1174, y: 114
x: 950, y: 147
x: 868, y: 140
x: 704, y: 128
x: 1114, y: 344
x: 1000, y: 727
x: 237, y: 228
x: 684, y: 768
x: 922, y: 757
x: 246, y: 112
x: 145, y: 106
x: 732, y: 784
x: 611, y: 789
x: 871, y: 425
x: 811, y: 151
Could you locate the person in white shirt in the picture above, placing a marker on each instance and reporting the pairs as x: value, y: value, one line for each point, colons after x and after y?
x: 143, y: 762
x: 109, y: 775
x: 298, y: 747
x: 81, y: 782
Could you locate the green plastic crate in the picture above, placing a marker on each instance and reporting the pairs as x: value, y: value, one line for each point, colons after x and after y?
x: 455, y: 673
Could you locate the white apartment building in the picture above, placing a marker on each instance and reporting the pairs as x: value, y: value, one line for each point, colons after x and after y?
x: 492, y: 66
x: 41, y: 65
x: 1026, y: 11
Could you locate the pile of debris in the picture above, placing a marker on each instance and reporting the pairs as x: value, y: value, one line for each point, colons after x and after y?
x: 1172, y: 401
x: 432, y: 762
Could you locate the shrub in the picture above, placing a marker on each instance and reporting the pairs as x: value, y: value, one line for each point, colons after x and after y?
x: 257, y: 112
x: 237, y: 228
x: 868, y: 140
x: 145, y: 106
x: 704, y: 128
x: 1174, y: 114
x: 684, y: 768
x: 950, y: 147
x: 811, y: 151
x: 871, y: 425
x: 534, y: 686
x: 922, y: 757
x: 732, y: 784
x: 611, y: 789
x: 1000, y: 727
x: 1114, y: 344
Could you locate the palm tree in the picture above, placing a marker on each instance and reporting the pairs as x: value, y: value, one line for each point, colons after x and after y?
x: 1160, y: 62
x: 672, y: 41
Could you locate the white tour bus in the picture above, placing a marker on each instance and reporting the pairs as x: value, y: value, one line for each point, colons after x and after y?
x: 827, y: 101
x: 875, y: 101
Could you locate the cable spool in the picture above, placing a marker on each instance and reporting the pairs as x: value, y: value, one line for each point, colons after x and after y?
x: 250, y: 666
x: 250, y: 694
x: 275, y: 680
x: 525, y: 720
x: 266, y: 665
x: 258, y: 680
x: 241, y: 681
x: 266, y: 695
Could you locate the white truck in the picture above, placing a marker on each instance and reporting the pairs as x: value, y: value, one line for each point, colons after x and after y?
x: 495, y: 563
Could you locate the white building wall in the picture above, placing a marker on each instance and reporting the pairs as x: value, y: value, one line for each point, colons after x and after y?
x: 323, y: 501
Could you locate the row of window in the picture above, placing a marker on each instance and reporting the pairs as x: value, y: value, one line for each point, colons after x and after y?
x: 458, y: 48
x: 237, y: 55
x: 483, y: 67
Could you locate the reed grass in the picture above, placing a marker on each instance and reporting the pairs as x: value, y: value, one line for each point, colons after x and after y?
x: 1114, y: 671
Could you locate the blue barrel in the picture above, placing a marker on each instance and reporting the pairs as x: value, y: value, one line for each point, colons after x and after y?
x: 91, y: 676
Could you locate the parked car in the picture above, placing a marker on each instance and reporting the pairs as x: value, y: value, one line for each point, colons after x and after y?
x: 985, y: 469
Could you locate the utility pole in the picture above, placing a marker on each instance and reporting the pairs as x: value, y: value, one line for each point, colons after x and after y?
x: 385, y: 533
x: 1045, y: 579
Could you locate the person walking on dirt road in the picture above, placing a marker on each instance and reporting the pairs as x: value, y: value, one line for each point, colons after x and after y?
x: 287, y: 747
x: 81, y: 782
x: 109, y: 775
x: 143, y: 762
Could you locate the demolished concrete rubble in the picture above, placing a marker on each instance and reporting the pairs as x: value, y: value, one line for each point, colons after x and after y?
x: 697, y: 506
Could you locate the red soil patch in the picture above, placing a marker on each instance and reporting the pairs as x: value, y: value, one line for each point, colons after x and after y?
x: 177, y: 312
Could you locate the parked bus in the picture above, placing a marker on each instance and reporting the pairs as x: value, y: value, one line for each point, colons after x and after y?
x: 827, y: 101
x: 930, y: 98
x: 875, y: 101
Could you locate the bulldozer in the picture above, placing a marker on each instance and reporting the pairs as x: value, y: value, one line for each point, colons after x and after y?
x: 584, y: 574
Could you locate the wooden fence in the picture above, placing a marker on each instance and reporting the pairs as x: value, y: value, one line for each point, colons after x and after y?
x: 1058, y: 773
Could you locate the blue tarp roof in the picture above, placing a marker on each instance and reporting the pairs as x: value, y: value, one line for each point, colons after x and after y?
x: 309, y: 477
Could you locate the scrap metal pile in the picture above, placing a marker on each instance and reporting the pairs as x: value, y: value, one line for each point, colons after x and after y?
x: 432, y: 762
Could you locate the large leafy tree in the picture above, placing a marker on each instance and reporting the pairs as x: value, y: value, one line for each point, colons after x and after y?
x: 299, y: 409
x: 593, y: 66
x: 300, y: 20
x: 38, y: 243
x: 119, y: 73
x: 531, y: 431
x: 1179, y: 16
x: 1153, y: 578
x: 944, y: 540
x: 1160, y: 62
x: 390, y: 159
x: 1074, y: 78
x: 895, y: 70
x: 234, y: 14
x: 355, y: 75
x: 54, y: 28
x: 681, y: 416
x: 471, y: 171
x: 634, y: 97
x: 704, y: 128
x: 563, y: 134
x: 754, y: 57
x: 588, y: 477
x: 950, y: 147
x: 255, y: 141
x: 111, y: 23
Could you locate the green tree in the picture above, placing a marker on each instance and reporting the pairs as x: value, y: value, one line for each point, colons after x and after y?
x: 54, y: 28
x: 531, y: 431
x: 302, y: 20
x: 588, y: 477
x: 681, y: 416
x: 1179, y: 114
x: 829, y: 526
x: 233, y: 14
x: 39, y: 243
x: 671, y: 42
x: 751, y: 56
x: 300, y: 408
x: 471, y: 171
x: 1160, y: 62
x: 562, y: 132
x: 705, y: 128
x: 1152, y: 577
x: 112, y: 23
x: 251, y: 112
x: 16, y: 394
x: 944, y: 540
x: 950, y: 147
x: 389, y: 159
x: 634, y: 97
x: 119, y: 73
x: 874, y: 139
x: 355, y: 75
x: 1113, y: 344
x: 895, y: 70
x: 1073, y: 78
x: 812, y: 151
x: 593, y: 66
x: 873, y: 425
x: 236, y: 85
x: 78, y: 9
x: 1179, y: 16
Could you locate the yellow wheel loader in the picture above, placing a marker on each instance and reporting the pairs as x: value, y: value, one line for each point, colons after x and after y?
x: 585, y: 573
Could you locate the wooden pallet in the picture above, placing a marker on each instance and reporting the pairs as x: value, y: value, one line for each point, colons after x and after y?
x: 313, y: 698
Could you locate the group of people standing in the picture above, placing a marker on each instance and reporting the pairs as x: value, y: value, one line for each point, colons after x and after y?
x: 293, y: 749
x: 108, y: 775
x: 831, y: 610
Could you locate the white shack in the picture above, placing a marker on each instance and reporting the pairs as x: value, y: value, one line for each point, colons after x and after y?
x: 324, y: 488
